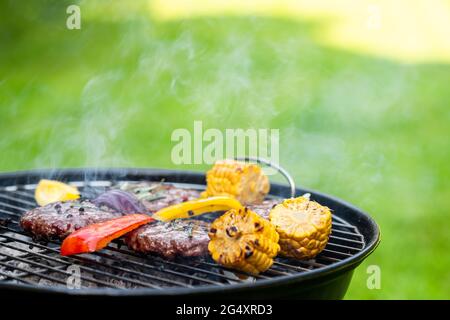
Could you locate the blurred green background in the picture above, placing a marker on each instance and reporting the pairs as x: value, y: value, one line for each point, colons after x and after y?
x: 359, y: 90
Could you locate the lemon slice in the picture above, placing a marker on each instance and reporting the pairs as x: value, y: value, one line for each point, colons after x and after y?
x: 49, y: 191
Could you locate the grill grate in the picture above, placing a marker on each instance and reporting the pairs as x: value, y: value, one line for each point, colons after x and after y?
x: 24, y: 261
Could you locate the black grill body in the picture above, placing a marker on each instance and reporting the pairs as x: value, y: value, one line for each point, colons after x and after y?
x: 116, y: 272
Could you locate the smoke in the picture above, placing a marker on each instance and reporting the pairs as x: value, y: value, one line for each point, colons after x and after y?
x: 340, y: 146
x: 102, y: 120
x: 90, y: 137
x: 233, y: 72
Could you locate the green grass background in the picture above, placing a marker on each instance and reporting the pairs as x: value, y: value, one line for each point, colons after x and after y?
x: 370, y: 130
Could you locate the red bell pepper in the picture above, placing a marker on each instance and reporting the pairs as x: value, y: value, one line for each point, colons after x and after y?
x: 96, y: 236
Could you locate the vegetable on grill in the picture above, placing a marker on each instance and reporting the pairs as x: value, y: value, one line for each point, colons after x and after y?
x: 96, y: 236
x: 303, y: 225
x: 242, y: 240
x: 196, y: 207
x: 120, y: 201
x: 244, y: 181
x: 49, y: 191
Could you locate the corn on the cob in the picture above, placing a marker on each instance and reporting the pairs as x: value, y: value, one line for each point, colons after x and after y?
x: 244, y: 181
x: 242, y: 240
x: 303, y: 225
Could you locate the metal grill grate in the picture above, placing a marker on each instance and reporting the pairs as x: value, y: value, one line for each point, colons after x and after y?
x: 24, y: 261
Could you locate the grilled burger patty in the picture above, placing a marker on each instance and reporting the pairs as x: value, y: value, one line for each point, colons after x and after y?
x: 264, y: 208
x: 183, y: 237
x: 156, y: 196
x: 57, y: 220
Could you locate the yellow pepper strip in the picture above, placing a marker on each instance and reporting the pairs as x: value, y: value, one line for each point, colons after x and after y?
x: 197, y: 207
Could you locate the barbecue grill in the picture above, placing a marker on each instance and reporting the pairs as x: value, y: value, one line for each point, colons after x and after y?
x: 29, y: 267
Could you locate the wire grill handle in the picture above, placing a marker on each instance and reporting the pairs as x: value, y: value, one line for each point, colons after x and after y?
x: 269, y: 163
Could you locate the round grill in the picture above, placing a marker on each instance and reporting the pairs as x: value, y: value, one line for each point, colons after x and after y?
x: 35, y: 267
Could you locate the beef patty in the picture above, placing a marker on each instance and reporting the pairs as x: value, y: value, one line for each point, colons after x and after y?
x: 156, y: 196
x: 57, y: 220
x: 181, y: 237
x: 264, y: 208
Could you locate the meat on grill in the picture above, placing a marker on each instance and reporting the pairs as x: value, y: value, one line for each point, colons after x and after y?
x: 57, y: 220
x: 161, y: 195
x: 164, y: 195
x: 263, y: 208
x: 183, y: 237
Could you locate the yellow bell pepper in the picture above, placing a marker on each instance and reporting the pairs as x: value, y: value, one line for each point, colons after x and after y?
x: 196, y: 207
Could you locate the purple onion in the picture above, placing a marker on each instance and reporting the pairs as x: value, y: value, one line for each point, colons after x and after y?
x: 120, y: 201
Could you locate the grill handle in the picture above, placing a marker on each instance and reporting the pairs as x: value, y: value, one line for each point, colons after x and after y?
x: 269, y: 163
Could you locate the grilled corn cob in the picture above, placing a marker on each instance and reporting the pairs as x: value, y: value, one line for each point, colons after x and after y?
x: 303, y: 225
x: 242, y: 240
x: 244, y: 181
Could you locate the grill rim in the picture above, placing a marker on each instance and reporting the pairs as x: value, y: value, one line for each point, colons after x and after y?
x: 195, y: 177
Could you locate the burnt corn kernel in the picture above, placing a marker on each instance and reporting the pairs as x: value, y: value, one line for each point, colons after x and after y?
x: 231, y: 231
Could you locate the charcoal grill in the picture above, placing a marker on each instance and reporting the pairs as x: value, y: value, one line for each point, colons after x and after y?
x: 28, y: 267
